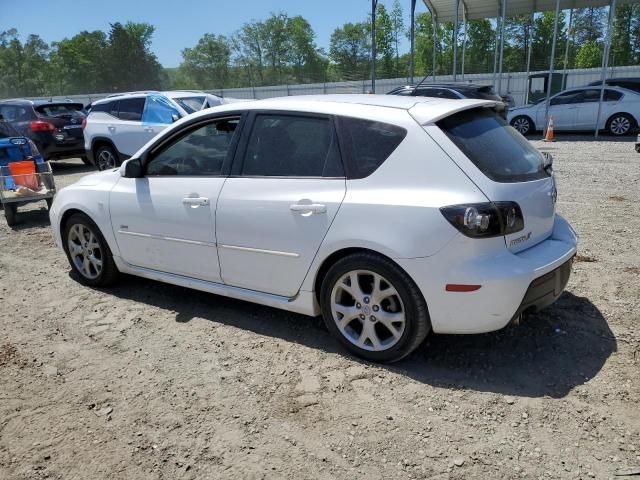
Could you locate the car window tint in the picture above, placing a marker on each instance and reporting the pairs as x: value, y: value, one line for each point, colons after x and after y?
x: 612, y: 96
x: 292, y: 146
x: 200, y: 152
x: 61, y: 110
x: 493, y: 146
x: 191, y: 104
x: 101, y: 107
x: 591, y: 95
x: 369, y: 143
x: 159, y: 109
x: 131, y: 109
x: 566, y: 98
x: 436, y: 92
x: 9, y: 113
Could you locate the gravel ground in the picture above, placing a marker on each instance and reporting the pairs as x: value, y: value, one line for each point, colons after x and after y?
x: 147, y: 380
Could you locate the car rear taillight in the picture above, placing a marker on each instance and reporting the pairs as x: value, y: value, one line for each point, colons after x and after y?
x: 84, y: 123
x: 484, y: 220
x: 40, y: 126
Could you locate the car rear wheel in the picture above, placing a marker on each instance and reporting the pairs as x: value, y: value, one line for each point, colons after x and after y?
x: 523, y: 124
x: 620, y: 124
x: 106, y: 158
x: 88, y: 252
x: 374, y: 308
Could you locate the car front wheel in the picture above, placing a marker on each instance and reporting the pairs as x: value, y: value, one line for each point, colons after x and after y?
x: 88, y: 252
x: 106, y: 158
x: 522, y: 124
x: 374, y: 308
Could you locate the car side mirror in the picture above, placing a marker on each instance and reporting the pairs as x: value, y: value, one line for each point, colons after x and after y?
x: 131, y: 168
x: 175, y: 117
x: 548, y: 162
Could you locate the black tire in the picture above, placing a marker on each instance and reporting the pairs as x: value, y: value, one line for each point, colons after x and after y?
x: 523, y: 124
x: 11, y: 214
x: 621, y: 124
x: 109, y: 272
x: 416, y: 316
x: 85, y: 160
x: 106, y: 158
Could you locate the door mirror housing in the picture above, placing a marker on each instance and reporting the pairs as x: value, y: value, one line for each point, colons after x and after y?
x: 131, y: 168
x: 175, y: 117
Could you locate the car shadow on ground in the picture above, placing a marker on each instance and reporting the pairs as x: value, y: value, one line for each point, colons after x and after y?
x: 70, y: 167
x: 585, y: 137
x: 548, y: 354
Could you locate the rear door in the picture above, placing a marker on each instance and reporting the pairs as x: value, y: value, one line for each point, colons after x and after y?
x: 286, y: 187
x: 588, y: 107
x: 128, y: 132
x: 159, y: 113
x: 504, y: 165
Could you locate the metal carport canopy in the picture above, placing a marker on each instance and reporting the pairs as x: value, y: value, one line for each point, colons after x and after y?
x: 445, y: 10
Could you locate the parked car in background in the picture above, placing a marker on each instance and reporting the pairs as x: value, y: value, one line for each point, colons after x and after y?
x: 120, y: 124
x: 337, y: 205
x: 454, y: 90
x: 54, y: 126
x: 576, y: 109
x: 629, y: 83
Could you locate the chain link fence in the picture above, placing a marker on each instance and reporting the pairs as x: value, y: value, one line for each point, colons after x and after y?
x: 514, y: 84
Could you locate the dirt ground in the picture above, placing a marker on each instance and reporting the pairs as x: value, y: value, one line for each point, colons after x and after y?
x: 147, y: 380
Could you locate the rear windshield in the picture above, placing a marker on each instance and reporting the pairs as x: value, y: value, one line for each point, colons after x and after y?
x: 61, y: 109
x: 190, y: 104
x: 493, y: 146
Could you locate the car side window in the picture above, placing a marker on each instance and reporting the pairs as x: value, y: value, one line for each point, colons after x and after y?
x: 566, y: 98
x: 612, y: 96
x: 9, y: 113
x: 292, y: 146
x: 159, y: 109
x: 199, y: 152
x: 436, y: 92
x: 368, y: 143
x: 131, y: 109
x: 591, y: 96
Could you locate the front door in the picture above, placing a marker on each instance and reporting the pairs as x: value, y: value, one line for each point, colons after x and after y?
x: 563, y: 109
x: 274, y: 211
x: 165, y: 220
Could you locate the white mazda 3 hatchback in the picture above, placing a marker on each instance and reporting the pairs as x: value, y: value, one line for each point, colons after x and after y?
x: 390, y: 216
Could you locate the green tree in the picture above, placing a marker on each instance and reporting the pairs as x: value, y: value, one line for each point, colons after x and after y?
x: 23, y: 66
x: 397, y: 28
x: 130, y: 63
x: 543, y: 39
x: 384, y: 42
x: 78, y: 65
x: 589, y: 55
x: 207, y: 64
x: 350, y: 49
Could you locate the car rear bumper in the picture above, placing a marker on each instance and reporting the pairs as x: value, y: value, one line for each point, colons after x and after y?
x: 509, y: 283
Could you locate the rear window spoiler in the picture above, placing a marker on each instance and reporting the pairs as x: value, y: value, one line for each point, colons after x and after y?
x: 428, y: 113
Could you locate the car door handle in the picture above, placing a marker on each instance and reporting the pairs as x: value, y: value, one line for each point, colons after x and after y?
x: 308, y: 208
x: 148, y: 129
x: 195, y: 201
x: 111, y: 127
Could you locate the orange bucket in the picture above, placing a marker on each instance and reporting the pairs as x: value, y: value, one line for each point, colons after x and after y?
x: 24, y: 173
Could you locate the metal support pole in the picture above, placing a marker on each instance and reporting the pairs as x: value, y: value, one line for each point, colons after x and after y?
x: 529, y: 48
x: 504, y: 14
x: 455, y: 42
x: 464, y: 39
x: 566, y: 51
x: 551, y: 62
x: 495, y: 50
x: 605, y: 61
x: 434, y: 27
x: 412, y: 67
x: 374, y: 4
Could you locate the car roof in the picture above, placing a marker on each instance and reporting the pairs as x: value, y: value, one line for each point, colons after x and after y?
x: 142, y: 93
x: 453, y: 85
x: 423, y: 109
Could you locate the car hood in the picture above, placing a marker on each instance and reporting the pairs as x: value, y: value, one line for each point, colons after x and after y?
x: 108, y: 177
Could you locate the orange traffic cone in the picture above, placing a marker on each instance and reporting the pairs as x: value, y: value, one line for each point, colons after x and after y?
x: 549, y: 136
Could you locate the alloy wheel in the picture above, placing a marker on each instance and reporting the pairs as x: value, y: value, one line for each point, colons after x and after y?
x: 106, y: 160
x: 85, y: 251
x: 368, y: 310
x: 620, y: 125
x: 521, y: 125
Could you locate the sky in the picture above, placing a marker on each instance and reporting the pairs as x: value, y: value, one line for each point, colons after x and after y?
x: 179, y: 24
